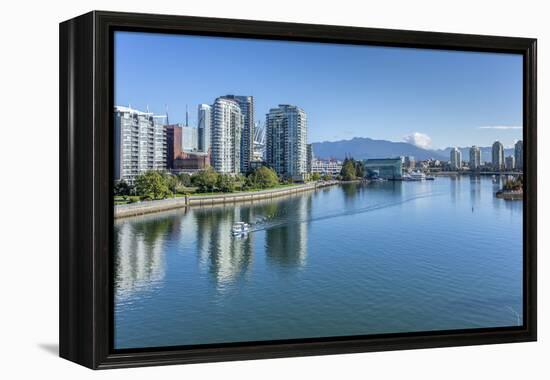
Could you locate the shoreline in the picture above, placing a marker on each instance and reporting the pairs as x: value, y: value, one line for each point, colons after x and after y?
x: 470, y: 173
x: 149, y: 207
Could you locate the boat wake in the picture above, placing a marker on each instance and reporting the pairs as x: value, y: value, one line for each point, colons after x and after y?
x: 266, y: 223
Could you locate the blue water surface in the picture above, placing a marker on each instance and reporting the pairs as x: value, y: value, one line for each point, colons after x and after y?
x: 350, y: 259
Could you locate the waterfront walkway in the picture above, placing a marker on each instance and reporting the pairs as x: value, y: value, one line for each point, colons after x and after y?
x: 147, y: 207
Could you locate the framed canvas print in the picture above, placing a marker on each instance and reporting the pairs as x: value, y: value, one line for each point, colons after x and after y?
x: 237, y: 189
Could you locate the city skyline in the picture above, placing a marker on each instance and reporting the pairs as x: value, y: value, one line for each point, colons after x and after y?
x: 144, y: 141
x: 393, y: 94
x: 230, y: 213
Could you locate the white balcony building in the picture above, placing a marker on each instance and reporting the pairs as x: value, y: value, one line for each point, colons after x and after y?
x: 140, y: 143
x: 227, y: 126
x: 286, y: 137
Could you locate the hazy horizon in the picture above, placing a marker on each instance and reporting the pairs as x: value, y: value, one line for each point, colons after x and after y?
x: 511, y: 146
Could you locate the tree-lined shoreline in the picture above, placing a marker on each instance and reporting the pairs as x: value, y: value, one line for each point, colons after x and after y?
x: 156, y: 185
x: 205, y: 199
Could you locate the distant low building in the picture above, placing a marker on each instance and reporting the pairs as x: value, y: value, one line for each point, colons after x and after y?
x: 387, y: 168
x: 326, y: 167
x: 409, y: 162
x: 191, y: 162
x: 433, y: 163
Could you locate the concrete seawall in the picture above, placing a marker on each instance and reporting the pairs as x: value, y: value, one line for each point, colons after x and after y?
x: 141, y: 208
x: 134, y: 209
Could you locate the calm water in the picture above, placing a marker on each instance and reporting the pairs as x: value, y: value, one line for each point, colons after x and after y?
x: 345, y: 260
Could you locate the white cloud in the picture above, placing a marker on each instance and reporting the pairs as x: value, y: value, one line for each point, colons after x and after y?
x: 418, y: 139
x: 501, y: 127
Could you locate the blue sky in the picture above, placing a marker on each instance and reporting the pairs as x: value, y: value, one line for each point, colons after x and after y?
x: 432, y: 98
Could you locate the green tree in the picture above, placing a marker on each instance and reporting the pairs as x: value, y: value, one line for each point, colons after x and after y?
x: 326, y: 177
x: 171, y: 181
x: 315, y: 176
x: 185, y: 179
x: 262, y: 178
x: 122, y: 188
x: 206, y: 180
x: 359, y: 169
x: 152, y: 185
x: 226, y: 183
x: 348, y: 171
x: 514, y: 184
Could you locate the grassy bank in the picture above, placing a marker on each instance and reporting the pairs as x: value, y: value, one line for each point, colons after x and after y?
x: 192, y: 192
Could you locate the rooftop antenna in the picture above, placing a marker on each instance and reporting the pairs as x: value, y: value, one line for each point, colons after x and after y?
x: 166, y: 110
x: 186, y: 116
x: 147, y: 107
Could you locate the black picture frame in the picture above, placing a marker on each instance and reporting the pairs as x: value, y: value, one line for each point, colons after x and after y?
x: 86, y: 208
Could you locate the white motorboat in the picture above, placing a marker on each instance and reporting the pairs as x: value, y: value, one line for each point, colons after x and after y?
x: 417, y: 176
x: 414, y: 176
x: 240, y: 228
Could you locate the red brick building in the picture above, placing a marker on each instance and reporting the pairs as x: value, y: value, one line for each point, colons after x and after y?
x: 188, y: 161
x: 173, y: 144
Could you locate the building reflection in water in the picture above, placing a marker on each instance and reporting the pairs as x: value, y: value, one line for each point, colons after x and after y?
x: 139, y: 253
x: 141, y: 243
x: 454, y: 184
x: 395, y: 188
x: 350, y: 191
x: 514, y: 206
x: 475, y: 190
x: 224, y: 256
x: 283, y: 222
x: 286, y: 242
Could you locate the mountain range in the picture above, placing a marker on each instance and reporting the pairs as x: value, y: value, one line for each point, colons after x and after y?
x: 363, y: 148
